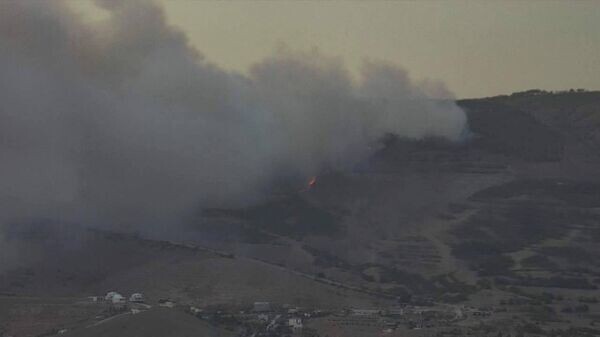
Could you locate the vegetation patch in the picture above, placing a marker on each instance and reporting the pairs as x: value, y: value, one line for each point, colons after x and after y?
x: 583, y: 194
x: 290, y: 216
x: 528, y: 139
x: 539, y: 261
x: 548, y: 282
x: 571, y: 254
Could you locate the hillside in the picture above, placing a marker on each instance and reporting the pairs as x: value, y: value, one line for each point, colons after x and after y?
x: 159, y: 322
x: 507, y: 219
x: 403, y: 211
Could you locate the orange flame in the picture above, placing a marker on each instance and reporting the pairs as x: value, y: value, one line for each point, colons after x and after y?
x: 312, y: 182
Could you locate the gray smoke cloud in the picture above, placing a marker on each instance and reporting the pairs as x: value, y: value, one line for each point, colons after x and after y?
x: 123, y: 123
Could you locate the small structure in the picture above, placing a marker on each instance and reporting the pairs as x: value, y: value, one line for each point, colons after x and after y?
x: 109, y: 295
x: 481, y: 313
x: 262, y: 307
x: 115, y: 300
x: 118, y: 301
x: 387, y: 331
x: 196, y: 310
x: 365, y: 312
x: 395, y: 312
x: 166, y: 303
x: 295, y: 323
x: 136, y: 298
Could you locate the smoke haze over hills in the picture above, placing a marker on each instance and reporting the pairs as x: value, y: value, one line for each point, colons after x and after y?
x: 357, y: 203
x: 123, y: 123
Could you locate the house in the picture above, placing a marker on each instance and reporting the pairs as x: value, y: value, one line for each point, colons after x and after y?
x: 196, y: 311
x: 109, y: 295
x: 166, y: 303
x: 118, y: 299
x: 295, y: 323
x: 365, y: 312
x: 395, y: 312
x: 115, y: 299
x: 481, y: 313
x: 136, y: 298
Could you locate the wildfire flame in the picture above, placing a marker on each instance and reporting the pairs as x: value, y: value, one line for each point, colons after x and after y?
x: 312, y: 182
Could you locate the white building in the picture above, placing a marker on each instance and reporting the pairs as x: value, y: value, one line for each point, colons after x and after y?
x: 109, y: 295
x: 118, y: 299
x: 365, y: 312
x: 295, y: 323
x: 136, y: 298
x: 196, y: 311
x: 166, y: 303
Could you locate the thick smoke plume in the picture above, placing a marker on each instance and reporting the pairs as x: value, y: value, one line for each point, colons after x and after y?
x: 123, y: 123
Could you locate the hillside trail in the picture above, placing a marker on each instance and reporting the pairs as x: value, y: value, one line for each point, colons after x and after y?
x: 436, y: 232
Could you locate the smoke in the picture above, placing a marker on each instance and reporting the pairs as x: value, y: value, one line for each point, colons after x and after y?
x: 123, y: 123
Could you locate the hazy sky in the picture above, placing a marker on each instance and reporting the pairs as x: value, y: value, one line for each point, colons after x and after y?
x: 478, y: 48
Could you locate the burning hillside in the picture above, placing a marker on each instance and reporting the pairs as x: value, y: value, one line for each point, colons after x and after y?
x: 139, y: 136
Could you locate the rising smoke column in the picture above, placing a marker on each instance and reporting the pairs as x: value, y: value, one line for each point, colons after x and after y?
x: 123, y: 123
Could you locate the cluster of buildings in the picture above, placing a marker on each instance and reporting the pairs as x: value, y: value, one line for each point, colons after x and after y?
x: 268, y: 319
x: 260, y: 319
x: 117, y: 301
